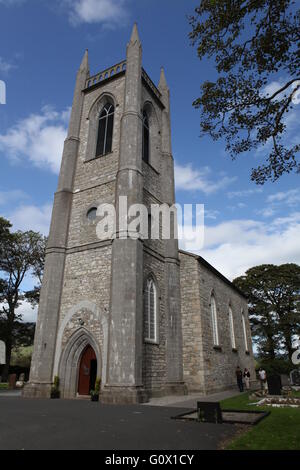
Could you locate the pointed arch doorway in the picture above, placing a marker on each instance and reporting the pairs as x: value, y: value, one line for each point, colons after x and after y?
x: 87, y: 371
x: 70, y: 361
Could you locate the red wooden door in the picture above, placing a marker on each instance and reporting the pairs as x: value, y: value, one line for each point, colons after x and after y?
x: 87, y: 360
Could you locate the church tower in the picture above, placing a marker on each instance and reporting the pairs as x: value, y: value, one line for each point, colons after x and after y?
x: 110, y: 308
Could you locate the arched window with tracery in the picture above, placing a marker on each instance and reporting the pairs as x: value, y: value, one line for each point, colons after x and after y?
x: 146, y: 138
x: 150, y: 311
x: 105, y: 130
x: 214, y: 320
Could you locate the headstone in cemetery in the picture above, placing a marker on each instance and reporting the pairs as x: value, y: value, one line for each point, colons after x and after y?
x: 295, y: 377
x: 2, y: 353
x: 285, y: 381
x: 12, y: 378
x: 20, y: 382
x: 22, y: 377
x: 274, y: 384
x: 209, y: 412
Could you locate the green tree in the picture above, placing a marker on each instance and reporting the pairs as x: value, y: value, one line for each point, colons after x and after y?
x: 274, y: 306
x: 33, y: 296
x: 19, y: 254
x: 254, y: 43
x: 5, y: 226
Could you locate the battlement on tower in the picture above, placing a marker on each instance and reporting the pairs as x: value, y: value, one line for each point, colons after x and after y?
x: 118, y: 70
x: 106, y: 74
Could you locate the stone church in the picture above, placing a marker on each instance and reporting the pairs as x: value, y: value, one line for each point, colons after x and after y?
x: 145, y: 317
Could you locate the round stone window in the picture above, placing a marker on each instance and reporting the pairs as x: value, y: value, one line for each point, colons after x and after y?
x: 92, y: 213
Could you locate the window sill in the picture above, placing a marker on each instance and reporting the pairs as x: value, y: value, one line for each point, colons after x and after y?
x: 87, y: 160
x: 152, y: 167
x: 217, y: 348
x: 234, y: 350
x: 151, y: 341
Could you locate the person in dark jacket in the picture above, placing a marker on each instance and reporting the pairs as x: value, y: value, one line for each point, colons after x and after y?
x: 239, y: 378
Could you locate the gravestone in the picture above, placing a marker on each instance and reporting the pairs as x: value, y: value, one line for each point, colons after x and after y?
x: 285, y: 381
x: 2, y: 353
x: 274, y: 384
x: 12, y: 378
x: 20, y: 382
x: 22, y: 377
x: 295, y: 377
x: 209, y: 412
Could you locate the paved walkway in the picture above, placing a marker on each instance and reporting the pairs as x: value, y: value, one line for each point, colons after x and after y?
x: 190, y: 401
x: 81, y: 424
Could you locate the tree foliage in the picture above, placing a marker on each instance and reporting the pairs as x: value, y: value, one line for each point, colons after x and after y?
x: 21, y: 253
x: 254, y: 43
x: 274, y: 306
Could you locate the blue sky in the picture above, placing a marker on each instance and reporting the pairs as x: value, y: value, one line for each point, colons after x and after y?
x: 41, y: 47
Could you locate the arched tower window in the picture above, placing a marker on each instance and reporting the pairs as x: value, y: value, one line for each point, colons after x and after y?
x: 146, y: 138
x: 150, y: 313
x: 231, y: 327
x: 245, y: 332
x: 214, y: 320
x: 105, y: 130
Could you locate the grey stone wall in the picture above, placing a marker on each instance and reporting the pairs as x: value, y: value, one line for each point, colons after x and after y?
x: 87, y: 278
x: 206, y: 367
x: 154, y: 355
x: 87, y: 272
x: 193, y: 360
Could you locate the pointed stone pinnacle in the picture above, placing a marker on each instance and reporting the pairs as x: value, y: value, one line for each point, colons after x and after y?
x: 162, y: 81
x: 85, y: 61
x: 135, y: 34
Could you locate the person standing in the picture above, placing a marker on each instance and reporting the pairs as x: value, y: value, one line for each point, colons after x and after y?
x: 263, y: 378
x: 239, y: 378
x: 247, y: 378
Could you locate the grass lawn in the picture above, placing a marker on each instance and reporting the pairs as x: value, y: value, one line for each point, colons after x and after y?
x: 279, y: 431
x: 3, y: 386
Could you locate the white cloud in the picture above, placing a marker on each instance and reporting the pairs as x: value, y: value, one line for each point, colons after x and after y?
x: 189, y: 179
x: 233, y: 247
x: 296, y: 97
x: 276, y: 202
x: 9, y: 3
x: 211, y: 214
x: 244, y: 193
x: 96, y: 11
x: 6, y: 66
x: 25, y: 309
x: 29, y: 217
x: 274, y: 86
x: 239, y: 205
x: 107, y: 12
x: 290, y: 197
x: 292, y: 219
x: 28, y: 313
x: 38, y: 138
x: 10, y: 196
x: 266, y: 212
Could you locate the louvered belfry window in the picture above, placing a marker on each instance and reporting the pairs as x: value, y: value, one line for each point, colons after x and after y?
x: 105, y: 130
